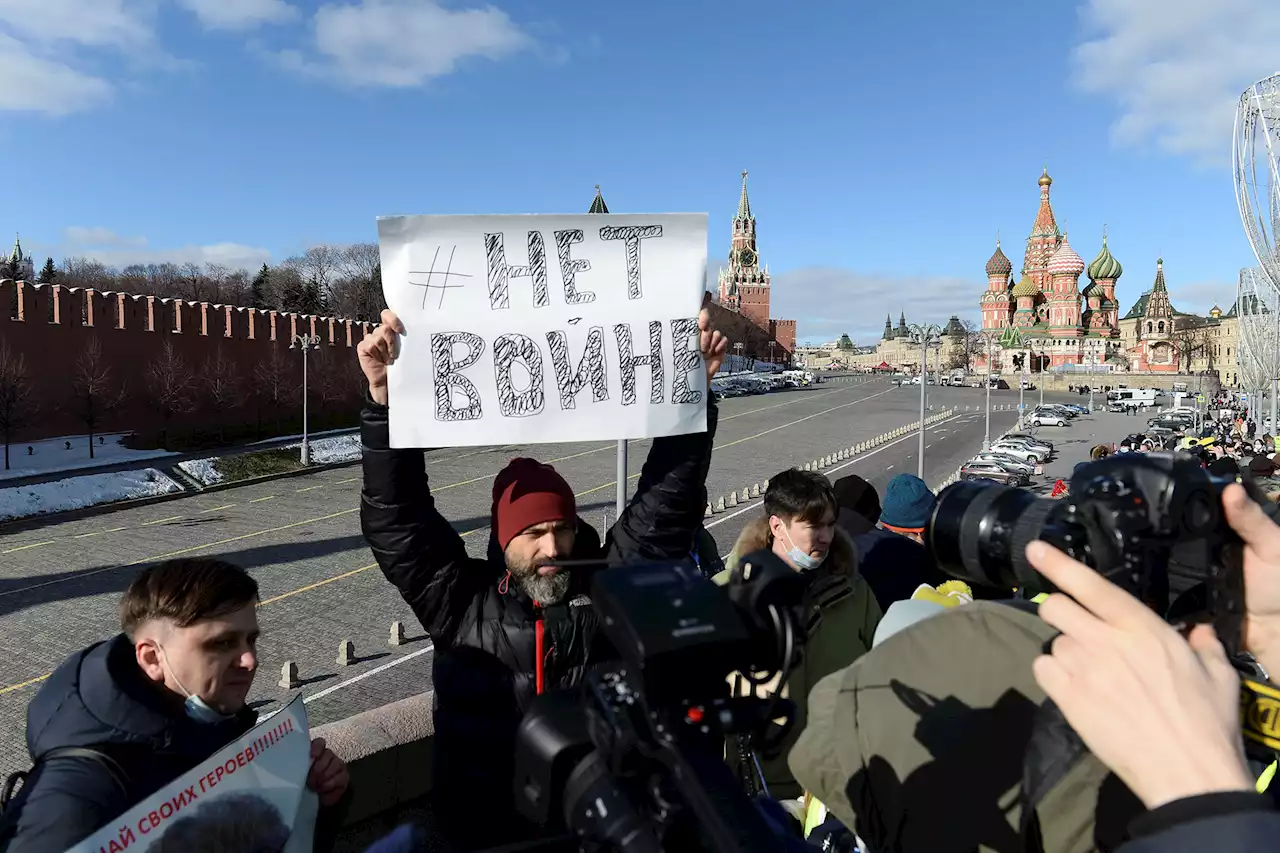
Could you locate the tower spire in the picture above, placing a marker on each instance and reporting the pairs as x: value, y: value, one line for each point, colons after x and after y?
x: 744, y: 206
x: 597, y: 203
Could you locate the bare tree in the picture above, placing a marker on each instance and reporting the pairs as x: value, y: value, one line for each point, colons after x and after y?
x: 172, y: 387
x: 1190, y: 340
x: 86, y: 272
x: 327, y: 380
x: 17, y: 399
x: 274, y: 384
x: 94, y: 392
x: 221, y: 382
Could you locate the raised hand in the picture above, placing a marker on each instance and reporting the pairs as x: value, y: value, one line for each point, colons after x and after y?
x: 377, y: 351
x: 711, y: 342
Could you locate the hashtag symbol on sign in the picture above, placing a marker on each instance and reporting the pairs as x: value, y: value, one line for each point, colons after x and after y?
x: 443, y: 284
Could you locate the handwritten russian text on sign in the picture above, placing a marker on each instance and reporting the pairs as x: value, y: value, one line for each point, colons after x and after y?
x: 251, y: 795
x: 545, y: 328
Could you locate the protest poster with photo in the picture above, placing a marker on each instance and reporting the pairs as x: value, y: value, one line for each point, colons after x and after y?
x: 251, y: 795
x: 527, y: 329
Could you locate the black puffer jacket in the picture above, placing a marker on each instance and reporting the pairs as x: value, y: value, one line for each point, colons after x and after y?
x: 484, y: 629
x: 98, y: 698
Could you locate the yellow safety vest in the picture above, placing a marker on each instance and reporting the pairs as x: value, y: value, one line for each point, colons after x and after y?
x: 1264, y: 781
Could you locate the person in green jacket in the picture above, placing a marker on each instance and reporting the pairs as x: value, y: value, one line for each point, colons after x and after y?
x: 841, y: 613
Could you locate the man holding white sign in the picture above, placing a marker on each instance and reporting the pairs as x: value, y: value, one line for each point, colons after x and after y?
x: 514, y: 624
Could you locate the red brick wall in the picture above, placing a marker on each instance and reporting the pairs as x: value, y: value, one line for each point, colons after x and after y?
x: 131, y: 331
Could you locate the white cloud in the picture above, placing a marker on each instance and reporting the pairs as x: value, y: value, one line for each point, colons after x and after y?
x: 43, y: 42
x: 1176, y: 68
x: 78, y: 235
x: 404, y: 43
x: 116, y: 250
x: 33, y: 84
x: 240, y: 14
x: 809, y: 295
x: 1198, y: 297
x: 93, y: 23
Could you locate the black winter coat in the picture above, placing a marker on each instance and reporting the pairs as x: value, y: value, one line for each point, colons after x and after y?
x: 1225, y: 822
x: 98, y: 698
x: 484, y: 629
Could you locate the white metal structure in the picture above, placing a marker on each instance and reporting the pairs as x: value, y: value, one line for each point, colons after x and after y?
x: 1256, y: 164
x: 1258, y: 304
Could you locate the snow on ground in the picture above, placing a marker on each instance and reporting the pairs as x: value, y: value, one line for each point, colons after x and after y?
x: 86, y: 490
x: 326, y: 451
x: 51, y: 455
x: 202, y: 470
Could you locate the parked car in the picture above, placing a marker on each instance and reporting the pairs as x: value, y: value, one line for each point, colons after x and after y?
x: 1057, y: 408
x: 1073, y: 407
x: 1047, y: 419
x: 1020, y: 451
x: 1004, y: 460
x: 992, y: 471
x: 1028, y: 438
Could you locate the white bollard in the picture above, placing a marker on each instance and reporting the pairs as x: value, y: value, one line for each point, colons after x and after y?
x: 755, y: 490
x: 746, y: 494
x: 733, y: 499
x: 720, y: 505
x: 397, y: 637
x: 289, y: 676
x: 346, y: 653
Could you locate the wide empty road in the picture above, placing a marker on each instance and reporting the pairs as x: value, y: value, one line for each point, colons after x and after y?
x: 60, y: 582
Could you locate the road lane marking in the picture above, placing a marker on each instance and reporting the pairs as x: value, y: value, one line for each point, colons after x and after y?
x: 216, y: 508
x: 260, y: 500
x: 160, y: 520
x: 801, y: 420
x: 181, y: 551
x: 27, y: 547
x: 348, y: 480
x: 99, y: 532
x: 316, y: 585
x: 308, y: 489
x: 362, y: 676
x: 22, y: 684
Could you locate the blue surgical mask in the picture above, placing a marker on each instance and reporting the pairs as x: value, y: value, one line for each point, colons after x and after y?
x: 195, y: 707
x: 801, y: 559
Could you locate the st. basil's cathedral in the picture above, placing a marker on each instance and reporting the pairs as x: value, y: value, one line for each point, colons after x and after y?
x: 1047, y: 309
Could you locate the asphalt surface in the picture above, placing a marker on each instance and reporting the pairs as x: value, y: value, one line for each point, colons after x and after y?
x: 59, y: 582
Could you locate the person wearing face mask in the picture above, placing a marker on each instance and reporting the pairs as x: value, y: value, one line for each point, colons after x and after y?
x: 799, y: 526
x: 125, y: 717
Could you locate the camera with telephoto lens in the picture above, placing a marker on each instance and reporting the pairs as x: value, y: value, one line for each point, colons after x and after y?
x: 633, y: 759
x: 1125, y: 516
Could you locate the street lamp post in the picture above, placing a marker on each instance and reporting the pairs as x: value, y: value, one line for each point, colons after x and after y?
x: 738, y: 348
x: 305, y: 343
x: 990, y: 338
x: 925, y: 335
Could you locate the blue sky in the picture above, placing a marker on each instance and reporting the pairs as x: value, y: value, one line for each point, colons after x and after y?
x: 887, y: 143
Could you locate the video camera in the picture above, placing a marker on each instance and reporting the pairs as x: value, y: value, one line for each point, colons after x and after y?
x: 1125, y: 516
x: 634, y: 759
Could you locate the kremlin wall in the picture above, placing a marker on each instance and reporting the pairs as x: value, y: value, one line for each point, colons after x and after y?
x: 247, y: 350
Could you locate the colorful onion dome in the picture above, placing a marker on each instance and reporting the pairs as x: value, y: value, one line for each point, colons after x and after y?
x: 1105, y: 265
x: 1026, y: 287
x: 1065, y: 261
x: 999, y: 265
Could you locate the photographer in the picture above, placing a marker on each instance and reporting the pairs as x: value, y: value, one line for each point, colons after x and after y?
x: 1131, y: 686
x: 490, y: 618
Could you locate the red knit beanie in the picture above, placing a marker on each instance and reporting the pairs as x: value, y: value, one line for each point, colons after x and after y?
x: 526, y: 493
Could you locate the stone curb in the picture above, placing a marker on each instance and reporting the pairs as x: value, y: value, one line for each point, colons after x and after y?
x: 746, y: 493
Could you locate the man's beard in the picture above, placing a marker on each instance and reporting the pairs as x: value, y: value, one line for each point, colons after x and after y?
x: 543, y: 589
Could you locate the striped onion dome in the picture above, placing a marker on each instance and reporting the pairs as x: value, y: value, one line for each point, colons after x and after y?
x: 1105, y: 265
x: 1065, y: 261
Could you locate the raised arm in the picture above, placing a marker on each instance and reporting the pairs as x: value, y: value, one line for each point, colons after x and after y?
x: 661, y: 522
x: 416, y: 548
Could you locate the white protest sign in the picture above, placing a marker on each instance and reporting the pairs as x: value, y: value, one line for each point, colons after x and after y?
x: 526, y: 329
x: 251, y: 795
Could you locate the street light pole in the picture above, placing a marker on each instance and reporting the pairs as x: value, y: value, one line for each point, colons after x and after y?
x: 305, y: 343
x: 925, y: 334
x: 1040, y: 367
x: 986, y: 439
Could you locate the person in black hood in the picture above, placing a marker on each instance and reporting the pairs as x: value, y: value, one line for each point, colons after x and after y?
x: 125, y: 717
x: 891, y: 554
x: 510, y: 626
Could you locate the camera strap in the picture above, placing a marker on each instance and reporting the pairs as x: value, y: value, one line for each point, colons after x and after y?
x: 1260, y: 713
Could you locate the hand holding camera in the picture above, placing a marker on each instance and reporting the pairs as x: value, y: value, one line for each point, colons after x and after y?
x: 1160, y: 711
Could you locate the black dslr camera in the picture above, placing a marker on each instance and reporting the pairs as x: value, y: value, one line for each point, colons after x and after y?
x: 1126, y: 516
x: 634, y: 760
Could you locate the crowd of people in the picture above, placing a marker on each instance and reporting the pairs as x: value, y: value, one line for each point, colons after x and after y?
x: 1157, y: 710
